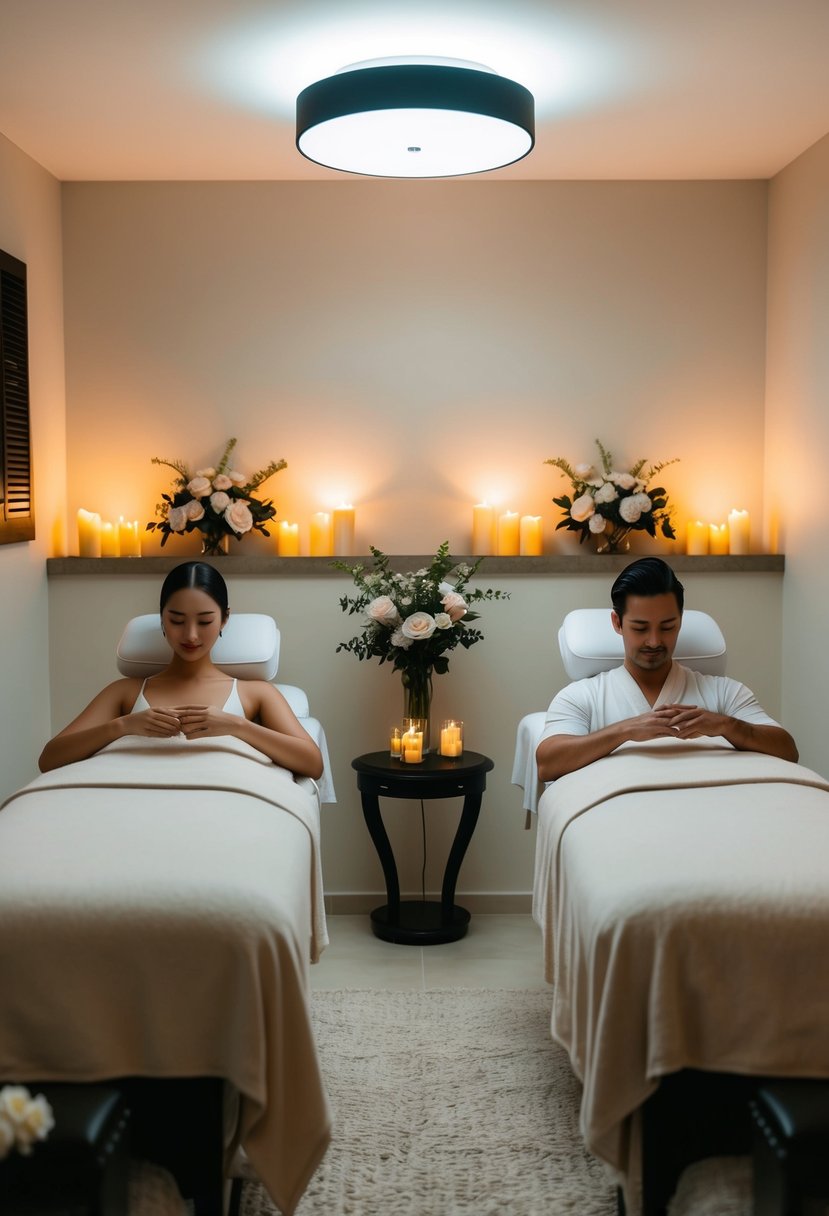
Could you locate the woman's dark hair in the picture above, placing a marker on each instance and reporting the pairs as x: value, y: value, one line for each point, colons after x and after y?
x: 202, y: 577
x: 648, y: 576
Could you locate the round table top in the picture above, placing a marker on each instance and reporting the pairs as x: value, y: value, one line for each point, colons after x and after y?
x: 434, y: 766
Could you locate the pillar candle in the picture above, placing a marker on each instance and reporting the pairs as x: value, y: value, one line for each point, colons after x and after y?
x: 451, y: 739
x: 343, y: 531
x: 739, y: 532
x: 483, y: 530
x: 89, y: 534
x: 718, y: 542
x: 508, y: 528
x: 110, y: 543
x: 413, y: 747
x: 321, y: 534
x: 129, y: 544
x: 395, y: 742
x: 531, y: 536
x: 288, y: 539
x: 697, y: 537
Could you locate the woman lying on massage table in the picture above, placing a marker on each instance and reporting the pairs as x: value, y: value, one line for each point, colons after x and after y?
x: 191, y: 696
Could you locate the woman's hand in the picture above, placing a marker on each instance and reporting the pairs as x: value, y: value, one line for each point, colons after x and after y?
x: 153, y: 723
x: 205, y: 721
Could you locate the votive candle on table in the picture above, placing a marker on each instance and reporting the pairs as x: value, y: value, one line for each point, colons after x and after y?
x: 89, y: 534
x: 739, y: 532
x: 451, y: 738
x: 129, y: 544
x: 483, y: 530
x: 395, y: 743
x: 287, y: 540
x: 110, y: 543
x: 412, y: 746
x: 508, y: 531
x: 343, y: 530
x: 697, y: 537
x: 321, y: 534
x: 530, y: 536
x: 718, y: 538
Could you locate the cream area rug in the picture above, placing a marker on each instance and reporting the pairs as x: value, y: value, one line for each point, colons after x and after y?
x: 457, y: 1103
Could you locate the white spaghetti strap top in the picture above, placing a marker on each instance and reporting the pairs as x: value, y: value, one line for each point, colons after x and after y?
x: 233, y: 704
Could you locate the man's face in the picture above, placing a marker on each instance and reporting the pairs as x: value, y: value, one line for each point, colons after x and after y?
x: 649, y: 630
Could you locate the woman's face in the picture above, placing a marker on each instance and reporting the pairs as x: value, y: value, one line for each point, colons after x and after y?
x: 192, y: 622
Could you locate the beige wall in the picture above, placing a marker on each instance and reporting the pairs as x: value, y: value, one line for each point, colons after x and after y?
x: 797, y: 433
x: 30, y: 229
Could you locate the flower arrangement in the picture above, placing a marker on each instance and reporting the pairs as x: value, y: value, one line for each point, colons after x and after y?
x: 414, y: 620
x: 218, y: 502
x: 607, y: 504
x: 23, y: 1119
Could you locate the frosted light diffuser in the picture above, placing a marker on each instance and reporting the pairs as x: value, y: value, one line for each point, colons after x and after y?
x: 435, y: 118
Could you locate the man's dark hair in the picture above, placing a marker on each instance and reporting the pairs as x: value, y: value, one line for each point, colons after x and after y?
x: 647, y: 576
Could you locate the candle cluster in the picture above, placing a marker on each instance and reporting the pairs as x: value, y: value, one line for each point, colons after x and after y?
x: 731, y: 537
x: 507, y: 535
x: 411, y: 742
x: 101, y: 538
x: 331, y: 534
x: 451, y: 738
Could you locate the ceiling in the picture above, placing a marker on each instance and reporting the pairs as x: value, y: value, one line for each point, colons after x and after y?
x: 205, y: 89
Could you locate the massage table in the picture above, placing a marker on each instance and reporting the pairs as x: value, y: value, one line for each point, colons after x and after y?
x: 682, y: 891
x: 160, y: 903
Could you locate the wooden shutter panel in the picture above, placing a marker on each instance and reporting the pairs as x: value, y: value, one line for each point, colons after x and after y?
x: 17, y: 518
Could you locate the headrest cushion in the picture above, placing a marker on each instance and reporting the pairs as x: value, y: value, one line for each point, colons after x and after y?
x: 589, y: 643
x: 248, y: 648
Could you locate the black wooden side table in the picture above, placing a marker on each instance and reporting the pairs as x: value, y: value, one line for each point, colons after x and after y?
x: 421, y: 922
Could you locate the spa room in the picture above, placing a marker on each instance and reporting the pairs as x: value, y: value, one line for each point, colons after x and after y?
x: 411, y: 356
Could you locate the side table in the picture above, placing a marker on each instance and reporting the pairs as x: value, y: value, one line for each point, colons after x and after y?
x: 421, y: 922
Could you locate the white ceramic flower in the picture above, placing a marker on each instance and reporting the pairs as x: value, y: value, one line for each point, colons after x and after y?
x: 220, y: 501
x: 606, y: 493
x: 222, y: 482
x: 418, y: 626
x: 384, y: 611
x: 597, y: 523
x: 200, y: 486
x: 238, y: 516
x: 177, y: 518
x: 583, y: 508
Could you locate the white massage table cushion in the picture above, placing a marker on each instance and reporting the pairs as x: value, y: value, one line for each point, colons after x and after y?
x: 589, y: 643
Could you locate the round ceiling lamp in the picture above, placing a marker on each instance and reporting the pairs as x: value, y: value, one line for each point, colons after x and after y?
x: 421, y: 118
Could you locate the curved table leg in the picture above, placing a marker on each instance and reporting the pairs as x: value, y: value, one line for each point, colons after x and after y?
x: 377, y: 831
x: 466, y: 826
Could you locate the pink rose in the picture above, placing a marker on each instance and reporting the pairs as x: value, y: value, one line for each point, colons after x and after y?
x: 238, y: 516
x: 194, y: 509
x: 199, y: 487
x: 418, y: 626
x: 222, y: 482
x: 455, y: 605
x: 384, y: 611
x: 219, y: 501
x: 177, y: 518
x: 582, y: 508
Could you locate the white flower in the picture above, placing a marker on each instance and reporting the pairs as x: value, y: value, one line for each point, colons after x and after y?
x: 208, y: 473
x: 236, y: 478
x: 584, y: 471
x: 418, y: 626
x: 14, y: 1099
x: 623, y: 480
x: 194, y: 509
x: 443, y: 620
x: 39, y: 1118
x: 631, y: 508
x: 398, y: 638
x: 583, y: 508
x: 455, y: 605
x: 597, y: 523
x: 607, y: 493
x: 384, y: 611
x: 200, y: 486
x: 177, y: 518
x: 238, y: 516
x: 219, y: 501
x: 222, y: 482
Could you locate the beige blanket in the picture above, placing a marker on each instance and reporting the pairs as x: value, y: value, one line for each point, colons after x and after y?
x: 158, y: 906
x: 685, y: 922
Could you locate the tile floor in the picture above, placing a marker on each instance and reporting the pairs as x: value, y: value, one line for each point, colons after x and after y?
x: 499, y: 951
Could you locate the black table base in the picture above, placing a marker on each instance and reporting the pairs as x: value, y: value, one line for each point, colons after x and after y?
x: 419, y: 923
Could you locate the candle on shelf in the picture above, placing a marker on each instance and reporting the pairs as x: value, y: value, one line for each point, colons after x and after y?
x: 395, y: 743
x: 508, y: 528
x: 412, y: 745
x: 321, y: 534
x: 739, y: 532
x: 343, y: 530
x: 697, y: 537
x: 89, y: 534
x: 287, y: 540
x: 451, y: 738
x: 531, y: 542
x: 483, y: 530
x: 718, y: 538
x: 110, y: 545
x: 129, y: 544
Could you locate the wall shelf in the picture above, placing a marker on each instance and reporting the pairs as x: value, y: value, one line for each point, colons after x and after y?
x: 234, y: 565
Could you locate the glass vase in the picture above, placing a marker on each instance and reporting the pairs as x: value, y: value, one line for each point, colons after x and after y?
x: 214, y: 546
x: 615, y: 541
x: 417, y: 698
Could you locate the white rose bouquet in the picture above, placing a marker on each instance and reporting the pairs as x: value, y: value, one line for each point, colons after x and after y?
x: 414, y: 620
x: 218, y: 502
x: 23, y: 1120
x: 607, y: 504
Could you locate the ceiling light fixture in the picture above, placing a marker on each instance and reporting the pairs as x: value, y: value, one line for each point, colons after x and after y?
x: 415, y: 118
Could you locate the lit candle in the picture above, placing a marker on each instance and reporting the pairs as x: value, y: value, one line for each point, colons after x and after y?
x: 395, y: 742
x: 697, y: 537
x: 89, y: 534
x: 110, y: 545
x: 718, y: 538
x: 530, y: 536
x: 739, y: 532
x: 288, y: 540
x: 483, y: 530
x: 451, y: 739
x: 343, y: 530
x: 412, y: 746
x: 129, y: 544
x: 508, y: 529
x: 321, y: 534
